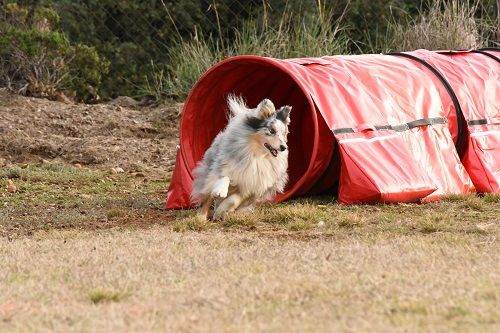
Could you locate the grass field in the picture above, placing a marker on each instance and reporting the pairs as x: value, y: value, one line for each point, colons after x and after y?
x: 88, y: 250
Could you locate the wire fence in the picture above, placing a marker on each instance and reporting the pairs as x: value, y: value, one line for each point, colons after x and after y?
x: 161, y: 26
x: 139, y: 37
x: 136, y: 38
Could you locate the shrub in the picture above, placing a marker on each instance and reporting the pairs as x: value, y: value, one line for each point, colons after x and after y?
x: 188, y: 61
x: 85, y: 72
x: 36, y: 60
x: 448, y: 25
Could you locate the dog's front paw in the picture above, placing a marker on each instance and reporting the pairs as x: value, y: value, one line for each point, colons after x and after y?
x: 219, y: 192
x: 220, y: 188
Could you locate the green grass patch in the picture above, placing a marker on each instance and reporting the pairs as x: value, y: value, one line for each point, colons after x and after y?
x: 491, y: 198
x: 12, y: 172
x: 473, y: 203
x: 193, y: 223
x: 299, y: 225
x: 116, y: 212
x: 455, y: 197
x: 246, y: 220
x: 62, y: 196
x: 97, y: 296
x: 54, y: 174
x: 349, y: 220
x: 284, y: 214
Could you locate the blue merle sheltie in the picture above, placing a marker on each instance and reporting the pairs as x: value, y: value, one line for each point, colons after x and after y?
x: 247, y: 161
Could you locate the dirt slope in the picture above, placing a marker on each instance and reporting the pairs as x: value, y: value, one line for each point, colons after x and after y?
x: 117, y: 134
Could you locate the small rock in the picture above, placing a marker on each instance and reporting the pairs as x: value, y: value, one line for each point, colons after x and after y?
x: 321, y: 224
x: 78, y: 165
x: 119, y: 170
x: 11, y: 187
x: 124, y: 101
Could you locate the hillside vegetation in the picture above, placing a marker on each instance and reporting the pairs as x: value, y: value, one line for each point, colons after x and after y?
x: 94, y: 50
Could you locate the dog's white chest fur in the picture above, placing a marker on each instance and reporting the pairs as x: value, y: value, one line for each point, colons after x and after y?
x: 256, y: 176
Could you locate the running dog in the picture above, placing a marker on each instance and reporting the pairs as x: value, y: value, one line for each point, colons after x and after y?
x: 246, y: 163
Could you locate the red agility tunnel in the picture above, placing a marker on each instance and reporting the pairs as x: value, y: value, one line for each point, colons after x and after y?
x: 474, y: 78
x: 370, y: 128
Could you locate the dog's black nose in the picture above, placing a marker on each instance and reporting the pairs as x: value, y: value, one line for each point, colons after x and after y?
x: 282, y: 148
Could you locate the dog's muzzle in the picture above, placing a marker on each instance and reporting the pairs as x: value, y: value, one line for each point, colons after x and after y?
x: 273, y: 151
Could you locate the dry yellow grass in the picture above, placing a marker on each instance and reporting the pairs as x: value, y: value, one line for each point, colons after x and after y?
x: 448, y: 25
x: 158, y: 280
x: 86, y: 251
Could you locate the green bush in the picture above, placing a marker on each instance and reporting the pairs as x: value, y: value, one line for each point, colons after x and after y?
x: 38, y: 61
x: 85, y: 72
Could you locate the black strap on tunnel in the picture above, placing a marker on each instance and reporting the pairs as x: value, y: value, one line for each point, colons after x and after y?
x: 496, y: 49
x: 476, y: 122
x: 456, y: 104
x: 397, y: 128
x: 489, y: 55
x: 343, y: 130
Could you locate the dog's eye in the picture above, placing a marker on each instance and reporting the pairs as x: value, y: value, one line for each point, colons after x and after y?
x: 272, y: 131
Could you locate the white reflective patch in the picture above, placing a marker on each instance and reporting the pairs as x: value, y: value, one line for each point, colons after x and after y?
x: 485, y: 133
x: 378, y: 138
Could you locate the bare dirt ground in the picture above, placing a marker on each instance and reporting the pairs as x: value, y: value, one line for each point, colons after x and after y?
x: 116, y: 134
x: 84, y: 248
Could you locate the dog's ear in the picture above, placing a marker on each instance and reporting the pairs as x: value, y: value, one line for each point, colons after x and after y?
x: 283, y: 114
x: 265, y: 109
x: 254, y: 122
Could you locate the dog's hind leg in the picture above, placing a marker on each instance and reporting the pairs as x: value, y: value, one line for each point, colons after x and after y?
x: 205, y: 207
x: 247, y: 205
x: 230, y: 204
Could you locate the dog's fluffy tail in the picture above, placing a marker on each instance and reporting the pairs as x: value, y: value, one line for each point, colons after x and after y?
x: 237, y: 105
